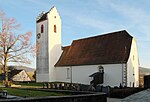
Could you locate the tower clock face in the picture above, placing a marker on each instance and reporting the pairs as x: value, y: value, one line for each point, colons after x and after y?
x: 38, y: 35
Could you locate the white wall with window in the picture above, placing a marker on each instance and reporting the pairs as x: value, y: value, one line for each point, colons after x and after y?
x: 80, y: 74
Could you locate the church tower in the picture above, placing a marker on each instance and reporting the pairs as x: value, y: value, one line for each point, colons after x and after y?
x: 48, y: 41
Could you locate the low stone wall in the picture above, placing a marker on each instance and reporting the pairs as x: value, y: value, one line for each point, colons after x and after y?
x: 98, y: 97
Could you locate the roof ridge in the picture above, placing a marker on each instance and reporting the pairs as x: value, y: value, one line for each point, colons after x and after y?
x: 102, y: 35
x: 51, y: 8
x: 102, y: 49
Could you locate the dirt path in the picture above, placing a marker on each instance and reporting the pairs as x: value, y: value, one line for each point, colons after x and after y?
x: 113, y: 100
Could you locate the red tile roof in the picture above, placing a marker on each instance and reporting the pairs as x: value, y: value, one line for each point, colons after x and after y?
x: 111, y: 48
x: 14, y: 72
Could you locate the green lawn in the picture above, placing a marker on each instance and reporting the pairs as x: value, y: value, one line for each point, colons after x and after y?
x: 30, y: 93
x: 30, y: 85
x: 23, y: 92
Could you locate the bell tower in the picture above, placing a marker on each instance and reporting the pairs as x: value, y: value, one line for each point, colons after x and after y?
x: 48, y: 42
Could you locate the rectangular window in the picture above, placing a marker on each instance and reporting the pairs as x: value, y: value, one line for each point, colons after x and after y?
x: 55, y: 28
x: 68, y: 73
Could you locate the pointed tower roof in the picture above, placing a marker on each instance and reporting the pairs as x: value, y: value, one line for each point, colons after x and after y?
x: 43, y: 16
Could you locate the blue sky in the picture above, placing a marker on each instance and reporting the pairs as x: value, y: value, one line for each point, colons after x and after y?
x: 84, y: 18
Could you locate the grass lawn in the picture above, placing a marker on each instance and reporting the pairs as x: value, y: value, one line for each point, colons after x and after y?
x: 30, y: 93
x: 30, y: 85
x: 23, y: 92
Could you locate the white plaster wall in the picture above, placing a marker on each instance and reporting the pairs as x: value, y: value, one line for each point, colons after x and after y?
x: 61, y: 74
x: 42, y: 54
x: 113, y: 75
x: 80, y: 74
x: 54, y: 41
x: 133, y: 66
x: 42, y: 77
x: 50, y: 47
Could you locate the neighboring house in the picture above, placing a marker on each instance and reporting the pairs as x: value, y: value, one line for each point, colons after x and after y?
x: 143, y: 72
x: 108, y: 59
x: 29, y: 71
x: 31, y: 75
x: 16, y: 75
x: 19, y: 75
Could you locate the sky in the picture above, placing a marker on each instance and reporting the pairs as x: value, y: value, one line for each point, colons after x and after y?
x: 85, y: 18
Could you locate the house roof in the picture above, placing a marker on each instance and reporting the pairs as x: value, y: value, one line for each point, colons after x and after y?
x: 111, y: 48
x: 14, y: 72
x: 11, y: 74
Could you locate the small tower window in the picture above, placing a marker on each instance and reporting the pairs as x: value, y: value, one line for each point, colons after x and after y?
x: 42, y: 28
x: 55, y: 28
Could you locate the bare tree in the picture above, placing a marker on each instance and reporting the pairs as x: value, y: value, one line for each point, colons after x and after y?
x: 14, y: 47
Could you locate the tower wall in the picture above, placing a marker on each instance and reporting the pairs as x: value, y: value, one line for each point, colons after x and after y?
x: 49, y: 46
x: 42, y: 74
x: 54, y: 42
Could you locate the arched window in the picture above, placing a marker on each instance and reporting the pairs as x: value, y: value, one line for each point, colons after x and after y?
x: 42, y: 28
x: 101, y: 69
x: 55, y: 28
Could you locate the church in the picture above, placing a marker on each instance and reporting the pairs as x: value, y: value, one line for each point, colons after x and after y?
x: 109, y: 59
